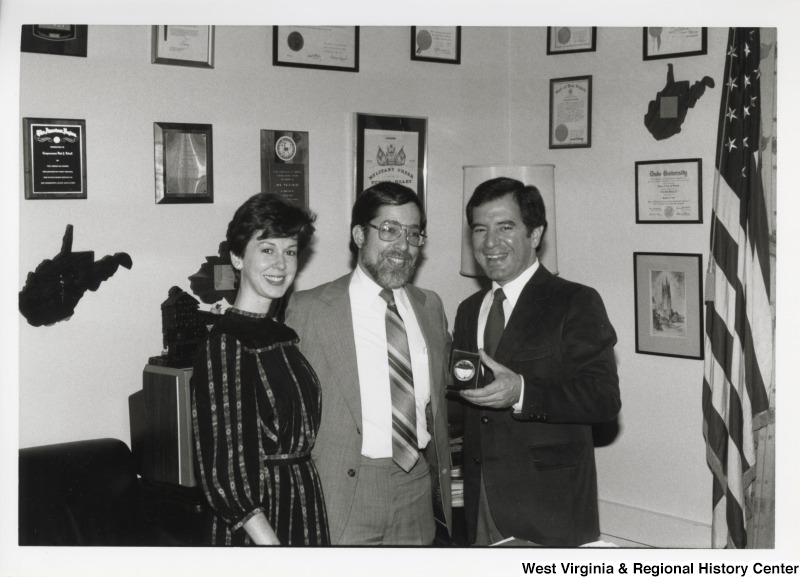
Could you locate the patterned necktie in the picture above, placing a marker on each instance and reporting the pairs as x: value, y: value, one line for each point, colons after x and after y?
x: 495, y: 324
x: 401, y: 381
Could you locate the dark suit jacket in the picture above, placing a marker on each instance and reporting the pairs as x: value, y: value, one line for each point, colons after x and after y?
x: 538, y: 464
x: 322, y: 318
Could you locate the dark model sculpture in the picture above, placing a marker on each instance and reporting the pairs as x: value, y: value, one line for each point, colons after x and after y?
x: 53, y: 290
x: 666, y: 113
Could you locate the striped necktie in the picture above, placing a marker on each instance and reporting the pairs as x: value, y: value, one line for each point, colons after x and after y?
x: 401, y: 381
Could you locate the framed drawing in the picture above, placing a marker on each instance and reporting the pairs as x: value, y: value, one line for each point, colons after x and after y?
x: 571, y: 112
x: 325, y: 47
x: 183, y: 162
x: 391, y: 148
x: 568, y: 39
x: 674, y: 42
x: 669, y: 191
x: 54, y: 154
x: 183, y: 45
x: 436, y: 44
x: 59, y: 39
x: 668, y: 304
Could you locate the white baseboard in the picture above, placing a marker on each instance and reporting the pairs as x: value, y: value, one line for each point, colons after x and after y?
x: 652, y: 529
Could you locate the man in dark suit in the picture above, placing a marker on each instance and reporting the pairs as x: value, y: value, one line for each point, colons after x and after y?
x: 376, y: 492
x: 549, y: 374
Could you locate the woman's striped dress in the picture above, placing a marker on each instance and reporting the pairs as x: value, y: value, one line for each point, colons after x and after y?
x: 256, y: 412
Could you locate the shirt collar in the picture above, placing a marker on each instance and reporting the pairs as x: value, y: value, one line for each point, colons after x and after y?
x: 367, y: 290
x: 513, y: 289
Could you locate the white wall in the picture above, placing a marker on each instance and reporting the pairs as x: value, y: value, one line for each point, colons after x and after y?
x: 657, y: 462
x: 75, y: 376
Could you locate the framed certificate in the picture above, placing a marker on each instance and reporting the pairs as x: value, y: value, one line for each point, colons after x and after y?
x: 60, y: 39
x: 674, y: 42
x: 436, y: 44
x: 571, y: 112
x: 669, y: 191
x: 183, y: 163
x: 325, y: 47
x: 54, y: 153
x: 284, y: 164
x: 391, y: 148
x: 183, y: 45
x: 568, y: 39
x: 668, y: 304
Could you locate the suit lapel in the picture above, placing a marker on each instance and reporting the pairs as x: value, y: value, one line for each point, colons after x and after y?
x: 526, y: 312
x: 336, y: 331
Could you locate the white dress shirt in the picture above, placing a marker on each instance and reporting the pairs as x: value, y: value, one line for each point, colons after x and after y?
x: 369, y: 328
x: 512, y: 290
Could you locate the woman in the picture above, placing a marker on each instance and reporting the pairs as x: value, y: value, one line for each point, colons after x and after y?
x: 256, y: 400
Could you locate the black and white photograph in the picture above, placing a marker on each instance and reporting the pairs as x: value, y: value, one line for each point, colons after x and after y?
x: 354, y: 281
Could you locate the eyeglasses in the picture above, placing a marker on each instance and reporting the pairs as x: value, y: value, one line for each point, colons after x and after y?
x: 390, y: 230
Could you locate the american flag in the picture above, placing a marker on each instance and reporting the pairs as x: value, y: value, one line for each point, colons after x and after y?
x: 739, y: 329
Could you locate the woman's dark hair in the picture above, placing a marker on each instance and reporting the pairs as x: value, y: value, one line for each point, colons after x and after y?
x: 273, y: 217
x: 528, y: 198
x: 372, y: 199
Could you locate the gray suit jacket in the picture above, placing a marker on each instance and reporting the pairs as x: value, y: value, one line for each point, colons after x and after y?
x: 322, y: 319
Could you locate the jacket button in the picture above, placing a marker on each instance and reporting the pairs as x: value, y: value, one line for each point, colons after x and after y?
x: 351, y: 473
x: 477, y: 460
x: 484, y: 420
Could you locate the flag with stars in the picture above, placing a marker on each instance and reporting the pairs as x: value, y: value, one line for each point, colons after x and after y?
x: 739, y: 330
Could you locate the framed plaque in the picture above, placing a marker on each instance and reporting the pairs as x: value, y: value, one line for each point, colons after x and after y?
x: 60, y: 39
x: 571, y: 112
x: 325, y: 47
x: 284, y: 164
x: 436, y: 44
x: 183, y: 45
x: 567, y: 39
x: 183, y: 163
x: 54, y: 153
x: 668, y: 304
x: 669, y: 191
x: 674, y: 42
x: 391, y: 148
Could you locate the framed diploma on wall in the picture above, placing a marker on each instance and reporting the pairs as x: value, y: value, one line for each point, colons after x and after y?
x: 668, y: 304
x: 183, y: 45
x: 436, y: 44
x: 674, y: 42
x: 391, y: 148
x: 669, y: 191
x: 55, y: 158
x: 324, y: 47
x: 571, y: 112
x: 183, y: 163
x: 568, y: 39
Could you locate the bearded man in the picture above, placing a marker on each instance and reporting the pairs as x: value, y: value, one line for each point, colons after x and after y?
x: 379, y: 346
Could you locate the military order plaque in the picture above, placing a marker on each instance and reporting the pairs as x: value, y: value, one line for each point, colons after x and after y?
x: 284, y: 165
x: 55, y: 158
x: 391, y: 149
